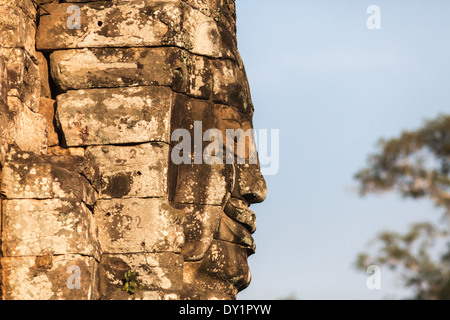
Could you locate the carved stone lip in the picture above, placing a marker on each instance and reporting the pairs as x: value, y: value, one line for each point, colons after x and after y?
x: 237, y: 209
x: 235, y: 232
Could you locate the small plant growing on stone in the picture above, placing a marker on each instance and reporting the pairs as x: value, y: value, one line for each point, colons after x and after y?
x: 130, y: 282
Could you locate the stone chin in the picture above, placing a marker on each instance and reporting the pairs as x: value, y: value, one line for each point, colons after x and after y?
x: 217, y: 248
x: 221, y: 274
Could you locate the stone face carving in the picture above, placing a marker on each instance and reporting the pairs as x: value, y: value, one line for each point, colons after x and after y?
x: 89, y: 190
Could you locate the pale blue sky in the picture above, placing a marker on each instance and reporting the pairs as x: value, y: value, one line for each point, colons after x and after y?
x: 333, y: 88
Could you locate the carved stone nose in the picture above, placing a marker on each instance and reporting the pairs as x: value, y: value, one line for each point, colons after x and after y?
x: 250, y: 183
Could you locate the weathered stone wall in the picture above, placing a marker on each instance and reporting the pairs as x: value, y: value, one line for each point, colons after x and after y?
x: 88, y: 189
x: 21, y: 125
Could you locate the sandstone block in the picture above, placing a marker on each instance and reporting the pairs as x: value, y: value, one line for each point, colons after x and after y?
x: 27, y: 176
x: 132, y: 171
x: 23, y: 77
x: 74, y: 160
x: 111, y: 67
x: 49, y: 277
x: 230, y: 86
x: 28, y: 130
x: 128, y: 67
x: 138, y: 225
x: 115, y: 116
x: 18, y: 29
x: 44, y: 75
x: 58, y: 226
x: 26, y: 6
x: 133, y: 24
x: 196, y: 76
x: 47, y: 109
x: 223, y: 11
x: 221, y: 80
x: 159, y: 275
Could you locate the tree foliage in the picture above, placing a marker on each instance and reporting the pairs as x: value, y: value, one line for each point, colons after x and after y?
x: 417, y: 165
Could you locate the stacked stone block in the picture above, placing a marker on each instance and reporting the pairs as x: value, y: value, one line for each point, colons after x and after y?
x: 87, y: 183
x: 46, y: 224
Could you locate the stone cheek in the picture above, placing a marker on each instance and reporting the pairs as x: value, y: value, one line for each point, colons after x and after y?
x: 230, y: 85
x: 201, y: 223
x: 202, y: 184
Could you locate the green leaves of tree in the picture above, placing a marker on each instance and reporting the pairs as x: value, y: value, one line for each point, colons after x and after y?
x: 417, y: 165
